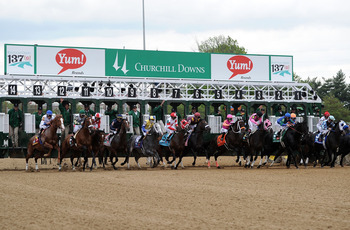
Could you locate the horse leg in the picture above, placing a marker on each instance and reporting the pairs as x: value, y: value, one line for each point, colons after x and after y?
x: 293, y: 155
x: 261, y: 158
x: 216, y: 155
x: 29, y: 154
x: 36, y: 163
x: 180, y: 160
x: 194, y: 158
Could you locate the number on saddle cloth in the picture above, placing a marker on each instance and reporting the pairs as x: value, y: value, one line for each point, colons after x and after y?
x: 319, y: 139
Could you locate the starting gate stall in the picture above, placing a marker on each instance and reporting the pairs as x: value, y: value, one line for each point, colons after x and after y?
x: 180, y: 79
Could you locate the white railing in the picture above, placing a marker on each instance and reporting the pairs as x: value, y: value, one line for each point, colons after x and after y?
x: 215, y: 123
x: 29, y: 123
x: 105, y: 122
x: 4, y: 123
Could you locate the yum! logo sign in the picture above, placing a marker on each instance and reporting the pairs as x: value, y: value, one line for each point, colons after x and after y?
x: 239, y: 65
x: 70, y: 59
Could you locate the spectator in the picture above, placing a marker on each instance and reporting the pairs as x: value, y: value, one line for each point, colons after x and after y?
x: 136, y: 119
x: 38, y: 116
x: 158, y: 112
x: 88, y: 111
x: 67, y: 117
x: 111, y: 113
x: 194, y: 110
x: 15, y: 119
x: 279, y: 112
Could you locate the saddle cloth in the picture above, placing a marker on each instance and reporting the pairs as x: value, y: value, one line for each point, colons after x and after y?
x: 221, y: 142
x: 108, y: 139
x: 164, y: 141
x: 321, y: 139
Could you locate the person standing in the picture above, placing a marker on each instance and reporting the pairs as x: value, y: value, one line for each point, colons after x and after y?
x: 111, y: 113
x: 135, y: 119
x: 88, y: 111
x: 38, y: 116
x: 15, y: 119
x: 158, y: 112
x: 67, y: 117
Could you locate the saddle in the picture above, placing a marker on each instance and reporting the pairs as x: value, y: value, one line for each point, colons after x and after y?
x: 321, y: 139
x: 108, y: 139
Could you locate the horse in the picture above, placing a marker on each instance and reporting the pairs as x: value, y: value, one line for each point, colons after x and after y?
x: 344, y: 148
x: 84, y: 141
x: 256, y: 144
x: 118, y: 143
x: 176, y: 147
x: 291, y: 142
x: 49, y: 141
x: 150, y: 145
x: 333, y: 142
x: 195, y: 143
x: 233, y: 139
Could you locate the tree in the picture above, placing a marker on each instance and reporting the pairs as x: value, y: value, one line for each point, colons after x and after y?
x: 336, y: 108
x: 221, y: 44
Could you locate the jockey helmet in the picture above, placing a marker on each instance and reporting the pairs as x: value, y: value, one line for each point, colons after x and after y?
x: 173, y: 115
x: 119, y: 116
x: 197, y: 114
x: 152, y: 117
x: 345, y: 127
x: 287, y: 115
x: 229, y: 116
x: 81, y: 112
x: 293, y: 115
x: 49, y: 112
x: 331, y: 118
x: 326, y: 114
x: 97, y: 115
x: 259, y: 114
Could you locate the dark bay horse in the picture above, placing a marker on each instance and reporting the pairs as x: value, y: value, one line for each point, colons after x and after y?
x: 233, y: 139
x: 176, y: 147
x: 49, y: 141
x: 84, y: 142
x: 195, y: 143
x: 256, y: 144
x: 119, y: 143
x: 344, y: 148
x: 291, y: 142
x: 150, y: 146
x: 333, y: 142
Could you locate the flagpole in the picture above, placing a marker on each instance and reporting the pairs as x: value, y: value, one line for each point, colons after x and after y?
x: 143, y: 15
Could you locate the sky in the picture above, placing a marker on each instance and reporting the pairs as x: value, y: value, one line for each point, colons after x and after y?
x: 315, y: 32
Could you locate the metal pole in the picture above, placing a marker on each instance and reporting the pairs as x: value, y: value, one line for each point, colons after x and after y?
x: 143, y: 15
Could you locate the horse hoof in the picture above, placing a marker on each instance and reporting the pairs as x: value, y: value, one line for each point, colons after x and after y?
x: 240, y: 163
x: 251, y: 167
x: 259, y: 166
x: 218, y: 167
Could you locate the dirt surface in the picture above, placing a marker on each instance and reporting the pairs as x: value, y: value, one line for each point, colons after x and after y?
x: 190, y: 198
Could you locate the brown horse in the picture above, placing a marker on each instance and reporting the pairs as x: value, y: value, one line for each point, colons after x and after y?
x: 49, y: 141
x: 118, y: 143
x: 84, y: 140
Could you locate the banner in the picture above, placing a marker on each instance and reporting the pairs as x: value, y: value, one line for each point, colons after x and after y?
x: 70, y: 61
x: 281, y: 68
x: 239, y: 67
x: 19, y: 59
x: 136, y: 63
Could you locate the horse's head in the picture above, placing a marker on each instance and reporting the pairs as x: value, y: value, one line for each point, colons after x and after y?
x: 267, y: 124
x: 203, y: 126
x: 302, y: 127
x: 58, y: 122
x: 87, y: 122
x: 125, y: 125
x: 238, y: 126
x: 156, y: 130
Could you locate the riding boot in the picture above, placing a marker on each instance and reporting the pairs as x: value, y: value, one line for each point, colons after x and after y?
x: 72, y: 140
x: 169, y: 137
x: 222, y: 136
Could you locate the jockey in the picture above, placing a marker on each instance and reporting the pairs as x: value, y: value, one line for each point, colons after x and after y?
x: 96, y: 121
x: 193, y: 121
x: 322, y: 119
x: 78, y: 124
x: 293, y: 118
x: 147, y: 125
x: 326, y: 126
x: 46, y: 121
x: 284, y: 122
x: 116, y: 124
x: 171, y: 125
x: 226, y: 125
x: 254, y: 121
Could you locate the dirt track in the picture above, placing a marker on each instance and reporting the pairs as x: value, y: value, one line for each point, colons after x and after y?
x: 191, y: 198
